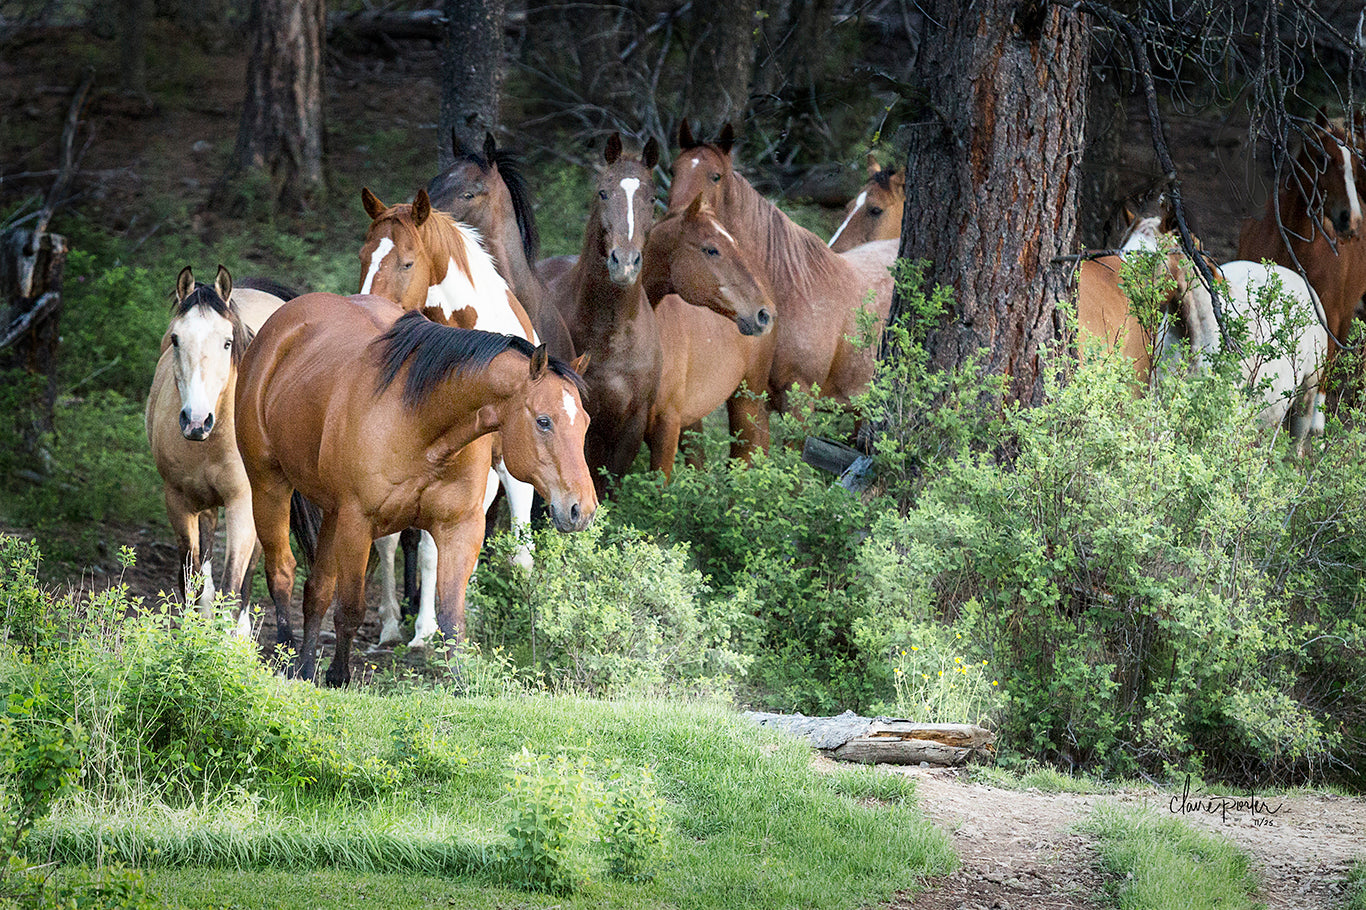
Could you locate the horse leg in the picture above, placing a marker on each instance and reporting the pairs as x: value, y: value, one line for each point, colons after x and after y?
x: 350, y: 550
x: 270, y: 509
x: 185, y: 525
x: 748, y: 425
x: 240, y: 551
x: 391, y: 631
x: 208, y: 526
x: 458, y: 546
x: 409, y: 538
x: 424, y: 627
x: 520, y: 496
x: 662, y: 439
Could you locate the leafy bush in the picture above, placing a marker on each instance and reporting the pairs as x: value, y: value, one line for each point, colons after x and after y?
x: 112, y: 327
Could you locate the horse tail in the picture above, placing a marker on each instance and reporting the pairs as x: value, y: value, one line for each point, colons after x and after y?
x: 305, y: 520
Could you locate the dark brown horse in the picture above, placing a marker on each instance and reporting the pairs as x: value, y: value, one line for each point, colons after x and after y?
x: 1320, y: 208
x: 609, y: 318
x: 488, y: 192
x: 362, y: 408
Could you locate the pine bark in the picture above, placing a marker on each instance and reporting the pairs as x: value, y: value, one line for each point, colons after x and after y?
x: 471, y: 73
x: 992, y: 177
x: 281, y: 134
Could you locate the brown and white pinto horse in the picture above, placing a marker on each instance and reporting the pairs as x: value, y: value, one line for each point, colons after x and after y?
x: 424, y: 260
x: 604, y: 305
x: 363, y: 408
x: 190, y: 429
x: 489, y: 193
x: 1319, y: 205
x: 875, y: 213
x: 819, y: 293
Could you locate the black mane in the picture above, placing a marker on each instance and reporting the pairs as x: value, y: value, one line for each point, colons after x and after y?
x: 268, y: 286
x: 434, y: 352
x: 206, y: 295
x: 883, y: 178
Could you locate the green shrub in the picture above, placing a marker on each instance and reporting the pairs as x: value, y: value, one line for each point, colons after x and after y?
x: 113, y: 320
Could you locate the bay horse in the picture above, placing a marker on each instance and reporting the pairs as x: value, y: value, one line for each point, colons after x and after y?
x: 603, y: 302
x: 488, y: 192
x: 696, y: 275
x: 875, y: 213
x: 364, y: 409
x: 190, y: 428
x: 820, y: 293
x: 424, y: 260
x: 1319, y: 206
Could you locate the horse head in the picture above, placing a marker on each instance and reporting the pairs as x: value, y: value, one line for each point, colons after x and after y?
x: 701, y: 168
x: 543, y: 429
x: 394, y: 261
x: 875, y: 213
x: 1328, y: 159
x: 623, y: 208
x: 208, y: 339
x: 691, y: 254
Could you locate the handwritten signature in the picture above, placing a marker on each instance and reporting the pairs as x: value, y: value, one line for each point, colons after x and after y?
x: 1189, y: 804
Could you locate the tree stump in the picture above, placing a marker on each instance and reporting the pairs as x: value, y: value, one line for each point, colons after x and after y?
x: 882, y: 740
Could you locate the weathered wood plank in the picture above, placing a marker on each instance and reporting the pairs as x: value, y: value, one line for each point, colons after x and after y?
x: 850, y: 737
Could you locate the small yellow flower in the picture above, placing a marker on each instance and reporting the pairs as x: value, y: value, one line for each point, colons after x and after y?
x: 958, y: 660
x: 924, y: 676
x: 898, y: 671
x: 941, y: 672
x: 993, y: 682
x: 913, y: 648
x: 903, y: 651
x: 958, y: 635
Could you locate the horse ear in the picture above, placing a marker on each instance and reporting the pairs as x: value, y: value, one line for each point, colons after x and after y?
x: 726, y: 141
x: 184, y: 285
x: 873, y: 167
x: 1130, y: 216
x: 422, y: 207
x: 539, y: 361
x: 223, y: 283
x: 373, y: 207
x: 490, y: 149
x: 1168, y: 222
x: 649, y: 156
x: 612, y: 151
x: 581, y: 363
x: 685, y: 138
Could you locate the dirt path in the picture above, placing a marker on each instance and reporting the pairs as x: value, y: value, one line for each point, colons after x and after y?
x: 1020, y: 849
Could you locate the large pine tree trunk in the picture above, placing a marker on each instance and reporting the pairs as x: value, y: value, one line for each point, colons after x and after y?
x: 471, y: 72
x: 281, y: 133
x: 992, y: 177
x: 722, y: 64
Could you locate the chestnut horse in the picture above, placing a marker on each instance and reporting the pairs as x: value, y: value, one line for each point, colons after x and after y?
x: 820, y: 293
x: 489, y: 193
x: 696, y: 276
x: 320, y: 410
x: 609, y: 318
x: 190, y: 428
x: 875, y: 213
x: 424, y: 260
x: 1319, y: 206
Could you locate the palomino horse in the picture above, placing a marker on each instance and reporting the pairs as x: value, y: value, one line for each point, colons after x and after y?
x: 424, y: 260
x: 489, y: 193
x: 875, y: 213
x: 321, y: 410
x: 1287, y: 378
x: 819, y: 292
x: 1319, y: 206
x: 189, y: 420
x: 696, y: 276
x: 609, y: 318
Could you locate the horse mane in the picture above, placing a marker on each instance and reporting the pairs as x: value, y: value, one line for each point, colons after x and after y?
x: 797, y: 257
x: 205, y: 295
x: 883, y: 178
x: 268, y: 286
x: 444, y: 229
x: 434, y: 352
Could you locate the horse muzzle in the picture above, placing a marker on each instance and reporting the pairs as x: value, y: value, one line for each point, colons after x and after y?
x: 572, y: 515
x: 758, y: 324
x: 623, y: 266
x: 195, y: 428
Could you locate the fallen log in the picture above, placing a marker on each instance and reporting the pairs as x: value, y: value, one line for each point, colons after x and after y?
x: 881, y: 740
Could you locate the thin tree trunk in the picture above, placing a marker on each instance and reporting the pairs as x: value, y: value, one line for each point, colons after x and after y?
x: 133, y: 16
x: 722, y: 63
x: 992, y: 176
x: 471, y: 72
x: 281, y: 134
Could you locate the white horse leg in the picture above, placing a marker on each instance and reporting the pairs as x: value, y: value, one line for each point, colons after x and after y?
x: 425, y: 627
x: 205, y: 599
x: 519, y: 505
x: 241, y: 549
x: 391, y: 629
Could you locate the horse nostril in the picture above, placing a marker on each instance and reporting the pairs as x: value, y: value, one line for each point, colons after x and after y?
x: 612, y: 258
x: 762, y: 317
x: 208, y: 423
x: 574, y: 513
x: 635, y: 260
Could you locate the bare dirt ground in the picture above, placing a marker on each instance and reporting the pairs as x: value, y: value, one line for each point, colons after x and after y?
x: 1023, y: 850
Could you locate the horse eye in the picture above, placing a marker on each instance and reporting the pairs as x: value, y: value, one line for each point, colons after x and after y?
x: 715, y: 178
x: 875, y: 211
x: 227, y: 345
x: 175, y: 341
x: 602, y: 194
x: 543, y: 423
x: 711, y: 251
x: 469, y: 195
x: 406, y: 266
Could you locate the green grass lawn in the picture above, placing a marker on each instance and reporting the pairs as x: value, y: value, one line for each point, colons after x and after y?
x: 746, y: 821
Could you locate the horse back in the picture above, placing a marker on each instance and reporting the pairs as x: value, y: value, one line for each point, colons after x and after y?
x: 1103, y: 313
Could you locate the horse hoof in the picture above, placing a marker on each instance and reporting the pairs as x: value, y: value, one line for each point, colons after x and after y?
x: 389, y: 636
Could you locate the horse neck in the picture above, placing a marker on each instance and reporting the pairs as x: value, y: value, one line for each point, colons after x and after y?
x: 794, y: 259
x: 504, y: 243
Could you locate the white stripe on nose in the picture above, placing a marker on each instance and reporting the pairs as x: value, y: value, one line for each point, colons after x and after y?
x: 381, y: 250
x: 1352, y: 199
x: 858, y: 204
x: 630, y: 185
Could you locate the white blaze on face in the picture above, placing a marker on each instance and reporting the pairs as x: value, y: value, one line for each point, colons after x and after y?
x: 1143, y: 237
x: 1351, y: 181
x: 858, y: 204
x: 629, y: 185
x: 203, y: 361
x: 720, y: 229
x: 381, y: 250
x: 696, y: 162
x: 570, y: 408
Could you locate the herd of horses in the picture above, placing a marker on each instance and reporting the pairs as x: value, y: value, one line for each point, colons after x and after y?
x: 466, y: 363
